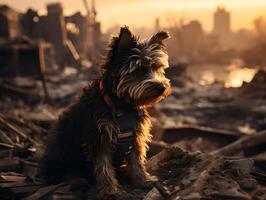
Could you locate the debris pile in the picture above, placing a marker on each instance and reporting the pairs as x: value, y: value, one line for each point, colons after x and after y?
x: 182, y: 175
x: 202, y: 176
x: 214, y: 163
x: 240, y: 110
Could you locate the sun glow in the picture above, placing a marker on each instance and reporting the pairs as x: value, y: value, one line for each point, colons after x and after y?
x: 237, y: 77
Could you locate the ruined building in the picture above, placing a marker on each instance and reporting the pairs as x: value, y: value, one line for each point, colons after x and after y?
x: 9, y: 23
x: 85, y: 32
x: 61, y: 40
x: 19, y: 55
x: 53, y: 30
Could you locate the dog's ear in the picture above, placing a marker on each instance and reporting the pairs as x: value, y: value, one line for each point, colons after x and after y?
x: 159, y: 37
x: 118, y: 46
x: 125, y: 39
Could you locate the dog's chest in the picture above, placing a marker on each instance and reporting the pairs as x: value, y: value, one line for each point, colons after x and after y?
x: 127, y: 122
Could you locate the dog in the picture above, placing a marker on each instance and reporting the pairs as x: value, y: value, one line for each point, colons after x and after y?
x: 109, y: 125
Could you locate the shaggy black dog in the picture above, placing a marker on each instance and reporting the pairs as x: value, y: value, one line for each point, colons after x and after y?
x: 108, y: 128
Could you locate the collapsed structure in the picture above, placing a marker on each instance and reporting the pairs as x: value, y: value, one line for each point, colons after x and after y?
x: 58, y: 40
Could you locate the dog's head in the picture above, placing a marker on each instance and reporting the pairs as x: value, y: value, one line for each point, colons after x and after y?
x: 134, y: 70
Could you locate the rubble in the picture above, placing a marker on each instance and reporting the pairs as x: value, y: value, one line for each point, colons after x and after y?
x: 200, y: 170
x: 201, y: 176
x: 190, y: 160
x: 182, y: 175
x: 240, y: 110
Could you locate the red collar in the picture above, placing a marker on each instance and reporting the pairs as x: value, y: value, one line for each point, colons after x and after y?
x: 105, y: 95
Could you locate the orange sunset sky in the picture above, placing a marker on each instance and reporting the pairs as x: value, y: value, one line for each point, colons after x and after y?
x: 143, y: 12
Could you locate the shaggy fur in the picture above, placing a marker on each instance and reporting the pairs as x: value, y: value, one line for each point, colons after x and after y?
x: 85, y: 137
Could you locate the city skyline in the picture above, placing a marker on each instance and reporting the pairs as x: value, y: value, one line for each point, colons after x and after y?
x: 143, y: 13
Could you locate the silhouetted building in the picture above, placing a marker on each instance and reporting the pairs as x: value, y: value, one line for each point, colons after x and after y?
x: 29, y: 23
x: 54, y: 30
x: 222, y: 22
x: 222, y: 26
x: 192, y: 35
x: 9, y: 23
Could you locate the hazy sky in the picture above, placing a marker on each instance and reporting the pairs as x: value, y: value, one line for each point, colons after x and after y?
x: 143, y: 12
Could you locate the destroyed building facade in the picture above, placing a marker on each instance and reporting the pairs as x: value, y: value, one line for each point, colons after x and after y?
x: 49, y: 34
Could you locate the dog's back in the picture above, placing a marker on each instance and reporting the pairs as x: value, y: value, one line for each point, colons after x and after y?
x: 63, y: 153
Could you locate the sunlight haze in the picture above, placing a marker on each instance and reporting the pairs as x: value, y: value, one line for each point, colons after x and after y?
x: 143, y: 12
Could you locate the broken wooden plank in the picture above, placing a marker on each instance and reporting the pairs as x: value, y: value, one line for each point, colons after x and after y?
x: 201, y: 136
x: 5, y: 138
x: 243, y: 143
x: 12, y: 177
x: 44, y: 192
x: 16, y: 130
x: 10, y: 165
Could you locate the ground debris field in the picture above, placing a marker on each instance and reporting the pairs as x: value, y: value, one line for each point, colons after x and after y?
x: 191, y: 160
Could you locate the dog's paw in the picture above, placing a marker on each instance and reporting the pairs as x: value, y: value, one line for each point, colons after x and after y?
x: 111, y: 194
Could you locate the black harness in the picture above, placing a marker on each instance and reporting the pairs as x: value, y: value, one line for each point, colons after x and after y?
x: 127, y: 121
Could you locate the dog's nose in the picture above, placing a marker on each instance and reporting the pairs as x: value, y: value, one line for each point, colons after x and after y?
x: 161, y: 88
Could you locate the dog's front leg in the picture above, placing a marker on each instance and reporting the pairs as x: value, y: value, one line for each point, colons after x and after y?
x: 107, y: 185
x: 137, y: 158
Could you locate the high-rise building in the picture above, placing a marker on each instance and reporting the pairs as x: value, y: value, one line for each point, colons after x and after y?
x: 222, y: 22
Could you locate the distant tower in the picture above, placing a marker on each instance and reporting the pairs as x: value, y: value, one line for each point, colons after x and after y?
x: 157, y: 24
x: 222, y: 23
